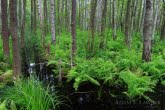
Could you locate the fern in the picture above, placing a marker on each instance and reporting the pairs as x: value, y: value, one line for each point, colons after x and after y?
x: 137, y: 85
x: 91, y: 71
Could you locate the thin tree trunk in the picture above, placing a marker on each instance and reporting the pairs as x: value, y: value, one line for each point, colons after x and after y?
x: 40, y: 13
x: 99, y: 13
x: 156, y: 16
x: 52, y: 17
x: 147, y: 31
x: 103, y: 24
x: 35, y: 17
x: 114, y: 18
x: 23, y: 24
x: 45, y: 17
x: 142, y: 17
x: 5, y: 32
x: 91, y: 40
x: 15, y: 40
x: 32, y: 15
x: 73, y: 26
x: 162, y: 35
x: 67, y: 16
x: 128, y: 25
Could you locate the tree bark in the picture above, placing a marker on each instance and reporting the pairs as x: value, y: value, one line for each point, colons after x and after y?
x: 91, y: 40
x: 40, y: 13
x: 5, y: 31
x: 156, y: 16
x: 162, y: 35
x: 52, y: 17
x: 23, y: 24
x: 103, y: 24
x: 15, y: 40
x: 99, y: 13
x: 45, y: 17
x: 147, y: 31
x: 114, y: 18
x: 128, y: 24
x: 73, y: 28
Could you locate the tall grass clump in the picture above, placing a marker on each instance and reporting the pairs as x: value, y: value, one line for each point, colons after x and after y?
x: 30, y: 94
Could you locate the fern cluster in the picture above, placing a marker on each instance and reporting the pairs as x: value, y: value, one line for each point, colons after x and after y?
x: 137, y: 85
x: 92, y: 70
x: 112, y: 64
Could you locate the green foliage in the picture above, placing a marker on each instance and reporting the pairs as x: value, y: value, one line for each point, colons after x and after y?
x: 155, y: 68
x: 3, y: 105
x: 31, y: 95
x: 128, y: 59
x: 92, y: 71
x: 104, y: 66
x: 8, y: 105
x: 6, y: 77
x: 137, y: 85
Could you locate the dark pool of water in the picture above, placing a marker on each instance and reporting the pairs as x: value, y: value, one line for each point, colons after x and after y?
x: 87, y: 97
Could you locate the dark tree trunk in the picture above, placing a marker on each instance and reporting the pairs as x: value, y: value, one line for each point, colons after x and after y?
x: 67, y: 16
x: 45, y: 17
x: 5, y: 32
x: 128, y: 24
x: 103, y: 24
x: 147, y: 31
x: 15, y: 41
x: 73, y: 26
x: 23, y: 24
x: 91, y: 40
x: 33, y: 16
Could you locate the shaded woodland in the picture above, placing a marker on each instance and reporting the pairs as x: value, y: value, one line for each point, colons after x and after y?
x: 93, y: 53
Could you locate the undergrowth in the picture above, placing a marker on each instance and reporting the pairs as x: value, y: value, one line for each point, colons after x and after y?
x: 115, y: 63
x: 30, y: 94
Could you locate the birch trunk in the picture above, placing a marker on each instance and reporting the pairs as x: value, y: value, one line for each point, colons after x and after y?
x: 52, y: 17
x: 147, y: 31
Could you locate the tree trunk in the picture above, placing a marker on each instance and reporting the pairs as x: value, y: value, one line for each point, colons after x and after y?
x: 73, y: 26
x: 91, y: 40
x: 156, y: 16
x: 147, y: 31
x: 128, y: 24
x: 67, y: 16
x: 5, y: 32
x: 15, y: 40
x: 162, y: 35
x: 52, y: 17
x: 99, y: 13
x: 103, y: 24
x: 45, y: 17
x: 142, y: 17
x: 114, y: 17
x: 35, y: 17
x: 23, y: 24
x: 40, y: 13
x: 32, y: 15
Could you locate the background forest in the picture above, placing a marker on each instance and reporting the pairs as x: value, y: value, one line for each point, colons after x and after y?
x: 68, y: 53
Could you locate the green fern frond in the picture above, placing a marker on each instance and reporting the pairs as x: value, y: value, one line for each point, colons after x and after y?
x: 137, y: 85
